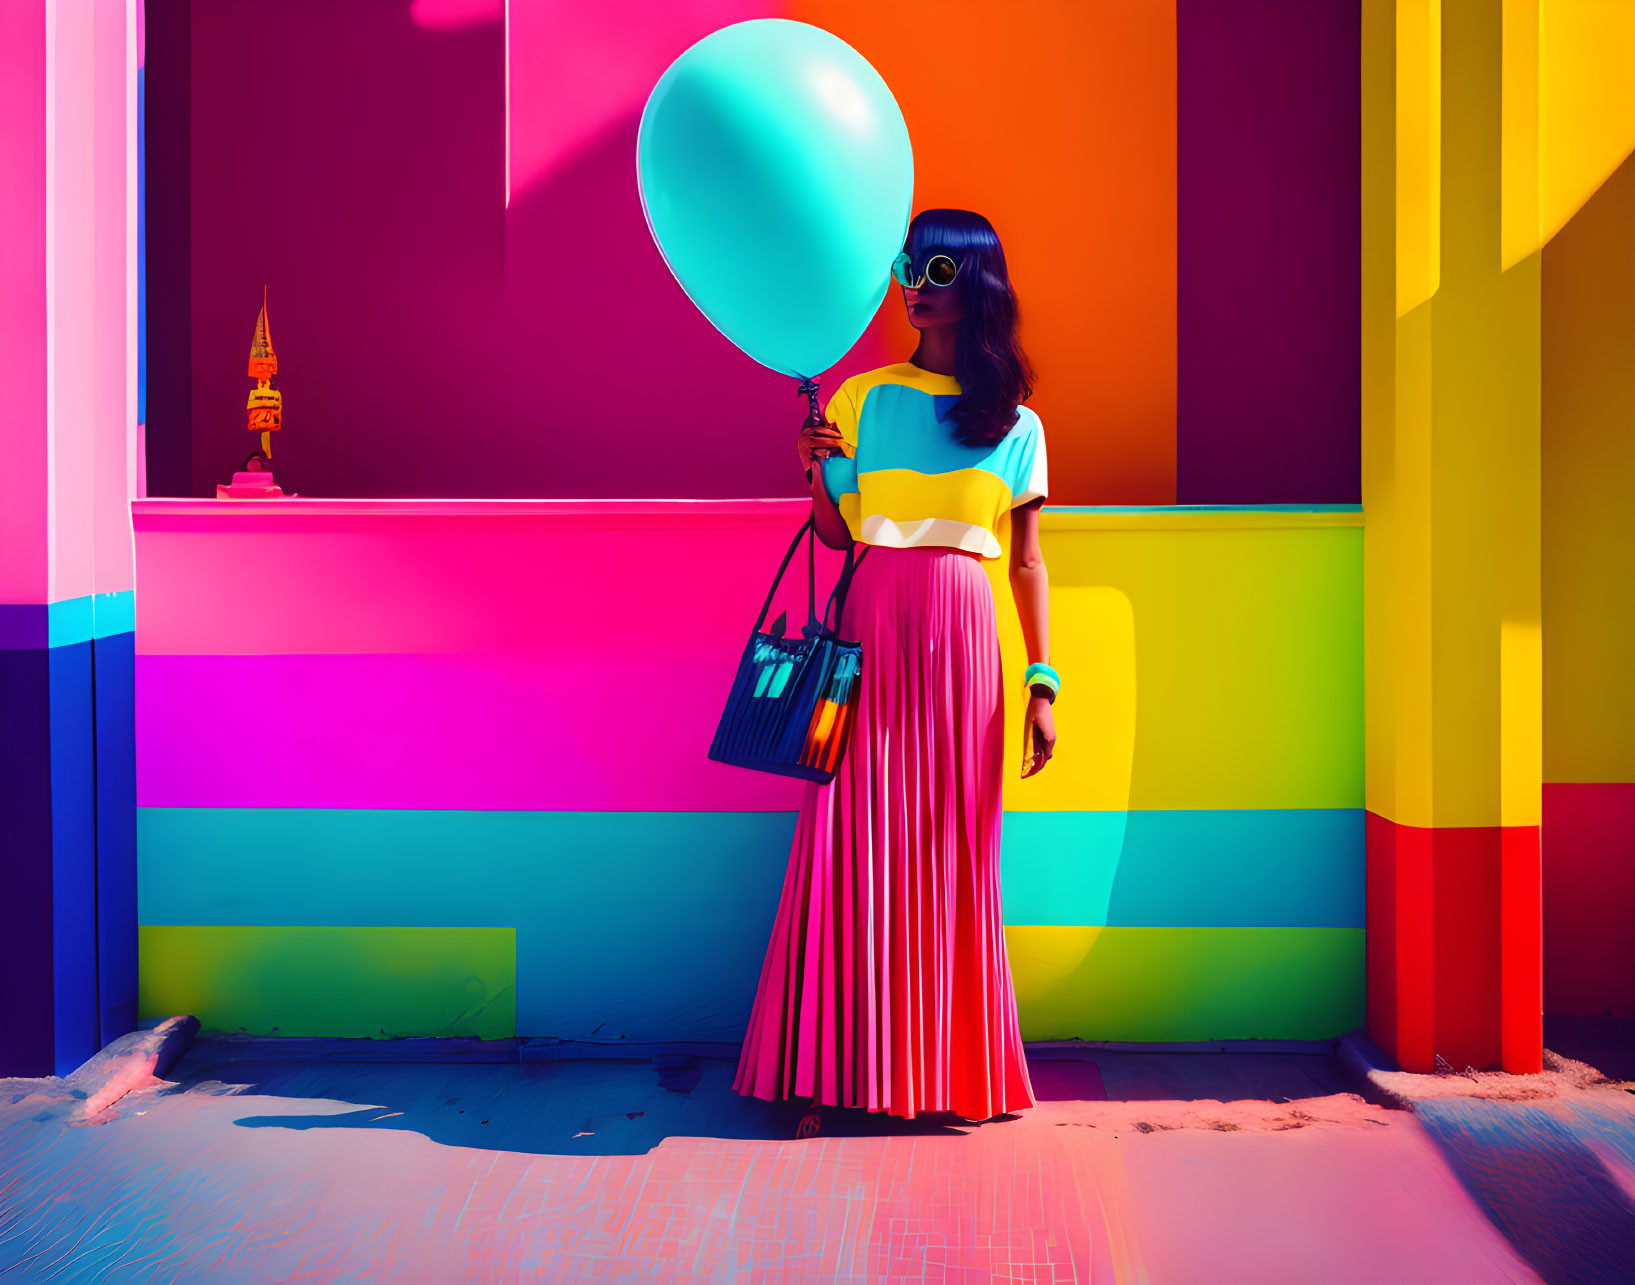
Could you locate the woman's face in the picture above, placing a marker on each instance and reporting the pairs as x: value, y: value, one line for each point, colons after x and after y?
x: 931, y: 306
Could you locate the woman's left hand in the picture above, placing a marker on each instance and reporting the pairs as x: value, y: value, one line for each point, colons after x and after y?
x: 1038, y: 735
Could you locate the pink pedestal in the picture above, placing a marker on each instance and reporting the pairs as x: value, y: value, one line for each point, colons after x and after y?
x: 250, y: 486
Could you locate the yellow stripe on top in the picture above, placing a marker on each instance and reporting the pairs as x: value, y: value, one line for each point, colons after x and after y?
x: 960, y: 509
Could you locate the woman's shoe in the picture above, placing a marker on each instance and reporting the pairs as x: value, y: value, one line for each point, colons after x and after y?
x: 810, y: 1124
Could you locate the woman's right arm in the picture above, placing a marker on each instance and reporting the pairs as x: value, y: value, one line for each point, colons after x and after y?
x: 813, y: 444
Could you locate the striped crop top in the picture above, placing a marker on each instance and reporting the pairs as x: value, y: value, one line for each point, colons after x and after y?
x: 907, y: 481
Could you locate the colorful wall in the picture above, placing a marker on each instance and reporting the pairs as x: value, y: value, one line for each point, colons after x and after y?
x: 374, y: 800
x: 69, y: 368
x: 381, y: 792
x: 467, y: 301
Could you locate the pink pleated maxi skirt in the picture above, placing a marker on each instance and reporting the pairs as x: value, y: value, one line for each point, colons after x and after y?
x: 886, y: 985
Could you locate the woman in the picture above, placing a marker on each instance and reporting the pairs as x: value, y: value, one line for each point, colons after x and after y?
x: 886, y: 984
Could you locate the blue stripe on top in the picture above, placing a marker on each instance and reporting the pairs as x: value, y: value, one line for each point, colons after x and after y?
x: 906, y: 428
x: 839, y: 476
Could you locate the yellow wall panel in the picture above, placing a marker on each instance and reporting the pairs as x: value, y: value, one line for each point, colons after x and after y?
x: 1451, y: 424
x: 1519, y: 139
x: 1203, y: 668
x: 1586, y: 86
x: 1418, y: 153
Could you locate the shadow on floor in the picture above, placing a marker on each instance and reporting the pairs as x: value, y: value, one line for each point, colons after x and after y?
x: 627, y: 1107
x: 1538, y: 1182
x: 589, y: 1108
x: 1221, y: 1077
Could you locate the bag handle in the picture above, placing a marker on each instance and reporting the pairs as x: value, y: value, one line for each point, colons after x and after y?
x: 843, y: 584
x: 837, y: 595
x: 811, y: 571
x: 778, y: 579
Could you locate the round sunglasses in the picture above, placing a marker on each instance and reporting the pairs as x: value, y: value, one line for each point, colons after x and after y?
x: 939, y: 270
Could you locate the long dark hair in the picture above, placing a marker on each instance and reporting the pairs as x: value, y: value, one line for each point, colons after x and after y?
x: 992, y: 370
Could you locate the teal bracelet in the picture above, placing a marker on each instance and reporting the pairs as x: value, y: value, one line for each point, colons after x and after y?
x: 1039, y: 674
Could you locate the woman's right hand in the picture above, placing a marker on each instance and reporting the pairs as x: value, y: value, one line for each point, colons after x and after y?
x: 818, y: 440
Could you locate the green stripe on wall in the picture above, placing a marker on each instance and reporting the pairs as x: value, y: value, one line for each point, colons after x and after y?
x: 1187, y: 983
x: 374, y: 982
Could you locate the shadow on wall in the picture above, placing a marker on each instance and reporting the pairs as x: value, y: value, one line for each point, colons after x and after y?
x: 556, y: 317
x: 604, y: 351
x: 1587, y: 547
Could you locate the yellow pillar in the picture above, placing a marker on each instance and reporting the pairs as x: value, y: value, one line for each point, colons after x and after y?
x: 1451, y: 548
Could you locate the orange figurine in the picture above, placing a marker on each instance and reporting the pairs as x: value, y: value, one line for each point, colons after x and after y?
x: 266, y: 404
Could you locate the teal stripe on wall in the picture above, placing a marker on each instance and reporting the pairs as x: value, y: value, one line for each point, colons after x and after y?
x: 62, y: 624
x: 1294, y: 868
x: 1300, y: 868
x: 362, y: 867
x: 96, y: 615
x: 113, y: 613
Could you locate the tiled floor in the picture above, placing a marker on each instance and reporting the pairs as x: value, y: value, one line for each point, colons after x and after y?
x: 1194, y: 1168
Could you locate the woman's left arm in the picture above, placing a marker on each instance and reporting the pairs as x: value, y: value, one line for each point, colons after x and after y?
x: 1030, y: 583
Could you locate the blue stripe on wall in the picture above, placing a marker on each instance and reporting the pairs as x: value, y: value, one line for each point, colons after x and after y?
x: 26, y: 984
x: 68, y: 956
x: 114, y: 661
x: 72, y: 908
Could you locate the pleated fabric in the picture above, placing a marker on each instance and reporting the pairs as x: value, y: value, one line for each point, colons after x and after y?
x: 886, y: 984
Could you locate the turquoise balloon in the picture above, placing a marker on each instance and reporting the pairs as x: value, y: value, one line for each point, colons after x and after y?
x: 777, y: 179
